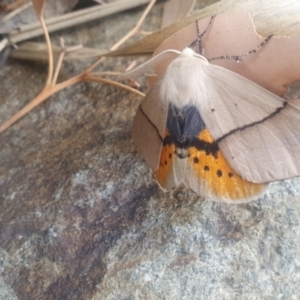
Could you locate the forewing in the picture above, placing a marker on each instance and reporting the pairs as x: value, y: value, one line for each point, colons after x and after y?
x: 257, y: 131
x: 149, y: 127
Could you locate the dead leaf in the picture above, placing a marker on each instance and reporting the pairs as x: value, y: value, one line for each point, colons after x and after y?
x: 176, y: 10
x: 274, y: 66
x: 39, y: 6
x: 38, y: 52
x: 265, y: 15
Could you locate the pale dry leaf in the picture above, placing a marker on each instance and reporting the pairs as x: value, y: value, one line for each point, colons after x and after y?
x: 176, y: 10
x: 38, y: 52
x: 276, y: 17
x: 274, y: 66
x: 39, y: 6
x: 70, y: 19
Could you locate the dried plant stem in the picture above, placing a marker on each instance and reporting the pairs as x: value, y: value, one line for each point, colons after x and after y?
x: 127, y: 36
x: 58, y: 66
x: 29, y: 31
x: 49, y: 49
x: 51, y: 87
x: 15, y: 12
x: 44, y: 94
x: 92, y: 77
x: 108, y: 73
x: 61, y: 57
x: 136, y: 28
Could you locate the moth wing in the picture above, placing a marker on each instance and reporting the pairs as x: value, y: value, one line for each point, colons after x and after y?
x: 171, y: 171
x: 149, y: 127
x: 211, y: 176
x: 258, y: 132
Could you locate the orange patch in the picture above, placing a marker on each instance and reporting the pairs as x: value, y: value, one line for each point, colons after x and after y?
x: 165, y: 164
x: 218, y: 176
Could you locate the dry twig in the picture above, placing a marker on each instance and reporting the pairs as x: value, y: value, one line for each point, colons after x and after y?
x: 30, y: 31
x: 51, y: 87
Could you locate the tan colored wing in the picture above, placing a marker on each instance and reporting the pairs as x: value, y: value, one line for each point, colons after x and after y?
x: 149, y: 127
x: 258, y: 132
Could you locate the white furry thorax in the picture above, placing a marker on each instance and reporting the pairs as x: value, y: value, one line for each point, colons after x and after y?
x: 185, y: 80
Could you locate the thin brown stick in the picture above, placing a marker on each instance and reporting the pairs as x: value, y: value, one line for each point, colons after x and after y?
x: 50, y: 54
x: 60, y: 60
x: 30, y: 31
x: 42, y: 96
x: 91, y: 77
x: 107, y: 73
x: 51, y: 87
x: 15, y: 12
x: 127, y: 36
x: 61, y: 57
x: 136, y: 28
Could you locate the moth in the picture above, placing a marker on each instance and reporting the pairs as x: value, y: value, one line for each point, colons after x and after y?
x: 214, y: 131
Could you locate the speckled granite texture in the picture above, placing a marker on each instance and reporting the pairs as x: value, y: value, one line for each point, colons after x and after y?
x: 81, y: 216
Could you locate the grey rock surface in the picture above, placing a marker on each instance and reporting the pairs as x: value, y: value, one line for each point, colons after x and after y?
x: 81, y: 216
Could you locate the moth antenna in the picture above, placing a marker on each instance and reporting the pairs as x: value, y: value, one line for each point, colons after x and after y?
x: 239, y: 58
x: 200, y: 35
x: 141, y: 69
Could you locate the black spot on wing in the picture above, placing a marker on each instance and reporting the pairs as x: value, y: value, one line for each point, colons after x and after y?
x: 196, y: 160
x: 219, y: 173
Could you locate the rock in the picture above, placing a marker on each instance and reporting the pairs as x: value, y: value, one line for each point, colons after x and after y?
x: 82, y: 217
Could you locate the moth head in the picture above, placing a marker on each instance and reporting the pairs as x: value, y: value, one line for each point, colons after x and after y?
x: 184, y: 81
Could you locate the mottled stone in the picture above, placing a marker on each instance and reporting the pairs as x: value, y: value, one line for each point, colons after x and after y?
x: 82, y: 217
